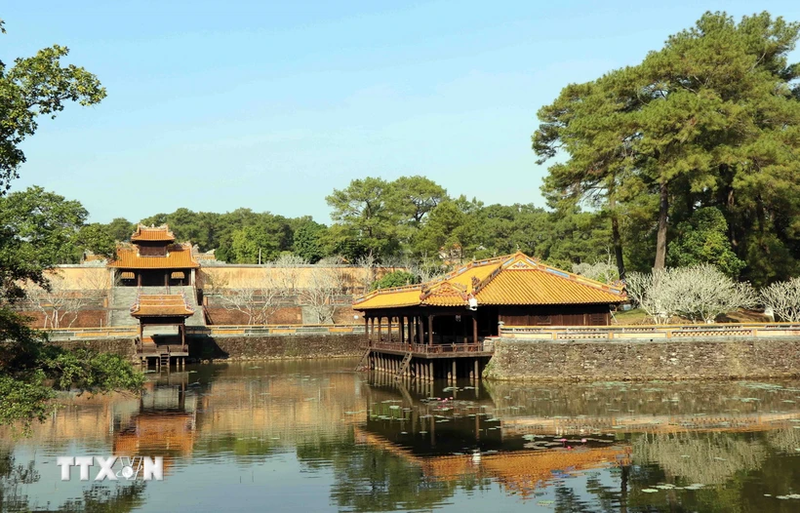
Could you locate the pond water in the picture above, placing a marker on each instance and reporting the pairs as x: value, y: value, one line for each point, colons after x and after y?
x: 315, y: 436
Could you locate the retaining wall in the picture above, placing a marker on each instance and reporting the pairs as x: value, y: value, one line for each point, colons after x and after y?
x: 239, y: 347
x: 123, y: 346
x: 702, y: 358
x: 275, y: 347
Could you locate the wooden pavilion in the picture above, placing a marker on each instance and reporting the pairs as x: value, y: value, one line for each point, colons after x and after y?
x: 451, y: 316
x: 162, y: 310
x: 154, y: 259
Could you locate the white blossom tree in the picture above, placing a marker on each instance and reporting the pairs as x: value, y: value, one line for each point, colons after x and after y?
x: 259, y: 301
x: 651, y: 292
x: 319, y: 294
x: 699, y: 293
x: 288, y: 270
x: 703, y: 293
x: 61, y: 302
x: 605, y: 272
x: 783, y: 298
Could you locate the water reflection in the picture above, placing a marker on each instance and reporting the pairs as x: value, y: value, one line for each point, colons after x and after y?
x: 317, y: 436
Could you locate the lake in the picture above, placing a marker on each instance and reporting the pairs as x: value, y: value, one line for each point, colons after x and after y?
x: 315, y: 436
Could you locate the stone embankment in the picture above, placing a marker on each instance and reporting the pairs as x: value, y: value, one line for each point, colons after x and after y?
x: 241, y: 347
x: 621, y: 360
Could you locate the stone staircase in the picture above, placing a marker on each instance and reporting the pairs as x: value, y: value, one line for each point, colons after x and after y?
x: 122, y: 298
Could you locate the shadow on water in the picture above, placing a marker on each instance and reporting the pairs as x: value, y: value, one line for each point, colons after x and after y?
x: 317, y: 434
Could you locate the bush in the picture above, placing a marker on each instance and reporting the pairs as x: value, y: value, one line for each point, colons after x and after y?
x: 394, y: 279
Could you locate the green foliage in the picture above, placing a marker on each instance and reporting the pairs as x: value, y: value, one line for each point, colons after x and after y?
x: 308, y: 240
x: 120, y: 229
x: 394, y: 279
x: 32, y: 87
x: 363, y: 208
x: 31, y: 369
x: 451, y: 231
x: 38, y: 229
x: 704, y: 239
x: 710, y: 120
x: 96, y: 238
x: 42, y: 226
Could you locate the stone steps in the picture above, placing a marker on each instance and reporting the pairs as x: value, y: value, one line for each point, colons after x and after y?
x: 123, y: 298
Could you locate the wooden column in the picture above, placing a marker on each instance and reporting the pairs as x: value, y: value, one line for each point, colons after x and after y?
x: 366, y: 329
x: 182, y: 331
x: 420, y: 337
x: 166, y: 279
x: 401, y: 322
x: 380, y: 333
x: 475, y: 329
x: 138, y: 278
x: 430, y: 330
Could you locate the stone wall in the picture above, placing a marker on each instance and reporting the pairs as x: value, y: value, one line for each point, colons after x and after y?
x: 122, y: 346
x: 237, y: 347
x: 719, y: 358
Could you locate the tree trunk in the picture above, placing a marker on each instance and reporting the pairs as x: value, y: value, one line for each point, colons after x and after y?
x: 616, y: 238
x: 661, y: 237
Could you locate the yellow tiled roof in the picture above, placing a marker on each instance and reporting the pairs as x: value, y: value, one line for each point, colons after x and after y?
x: 179, y: 256
x: 508, y: 280
x: 152, y: 233
x: 161, y: 305
x: 542, y: 287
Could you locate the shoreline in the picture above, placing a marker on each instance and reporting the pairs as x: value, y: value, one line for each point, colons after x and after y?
x: 528, y: 360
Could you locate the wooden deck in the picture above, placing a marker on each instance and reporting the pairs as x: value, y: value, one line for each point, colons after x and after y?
x: 427, y: 362
x: 435, y: 350
x: 162, y: 355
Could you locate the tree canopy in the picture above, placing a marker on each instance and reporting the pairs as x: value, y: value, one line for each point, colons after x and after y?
x: 37, y: 230
x: 710, y: 120
x: 32, y: 87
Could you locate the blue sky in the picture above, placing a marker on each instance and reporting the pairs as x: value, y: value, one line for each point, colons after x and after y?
x: 271, y: 105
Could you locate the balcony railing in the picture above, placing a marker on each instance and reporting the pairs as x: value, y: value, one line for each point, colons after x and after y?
x: 480, y: 347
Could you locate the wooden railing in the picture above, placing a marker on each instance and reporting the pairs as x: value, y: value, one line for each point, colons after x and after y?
x: 480, y: 347
x: 673, y: 331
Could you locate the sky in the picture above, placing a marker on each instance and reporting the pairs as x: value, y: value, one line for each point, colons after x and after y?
x: 271, y: 106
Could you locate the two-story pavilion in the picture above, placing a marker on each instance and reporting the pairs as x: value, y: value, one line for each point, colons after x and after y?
x: 451, y: 315
x: 153, y: 259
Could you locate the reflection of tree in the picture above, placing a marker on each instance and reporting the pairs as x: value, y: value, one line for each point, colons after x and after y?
x: 96, y: 499
x: 609, y: 497
x: 784, y: 440
x: 708, y: 458
x: 11, y: 477
x: 567, y: 501
x: 370, y: 479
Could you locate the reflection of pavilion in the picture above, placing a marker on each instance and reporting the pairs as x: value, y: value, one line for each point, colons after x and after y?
x: 522, y: 471
x: 164, y: 425
x: 453, y: 438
